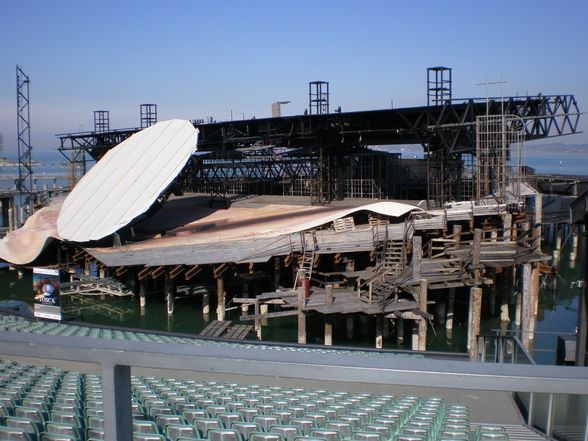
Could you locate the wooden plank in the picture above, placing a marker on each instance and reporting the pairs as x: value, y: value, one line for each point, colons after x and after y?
x: 269, y: 315
x: 215, y: 328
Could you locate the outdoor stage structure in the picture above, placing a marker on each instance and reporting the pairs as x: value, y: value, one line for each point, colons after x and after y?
x: 467, y: 146
x: 482, y: 222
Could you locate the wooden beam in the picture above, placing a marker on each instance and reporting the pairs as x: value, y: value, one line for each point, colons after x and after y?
x: 158, y: 272
x: 143, y: 273
x: 259, y: 316
x: 192, y: 272
x: 177, y: 270
x: 121, y: 270
x: 219, y: 270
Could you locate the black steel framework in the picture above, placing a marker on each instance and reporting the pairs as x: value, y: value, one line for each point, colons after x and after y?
x: 148, y: 115
x: 446, y: 131
x: 101, y: 121
x: 318, y: 97
x: 23, y: 130
x: 439, y: 85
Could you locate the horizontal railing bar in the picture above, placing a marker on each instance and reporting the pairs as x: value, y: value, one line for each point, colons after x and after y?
x: 298, y: 364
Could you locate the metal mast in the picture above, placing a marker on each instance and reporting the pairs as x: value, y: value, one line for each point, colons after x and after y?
x: 23, y: 129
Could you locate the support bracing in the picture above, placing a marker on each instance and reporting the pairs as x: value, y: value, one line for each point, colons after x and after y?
x: 23, y: 126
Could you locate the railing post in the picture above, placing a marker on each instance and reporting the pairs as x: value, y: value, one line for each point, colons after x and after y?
x: 586, y: 429
x: 549, y: 428
x: 531, y: 409
x: 118, y: 413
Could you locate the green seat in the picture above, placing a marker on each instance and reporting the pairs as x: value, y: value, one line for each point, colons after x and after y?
x: 288, y: 432
x: 223, y: 435
x: 343, y: 427
x: 264, y: 436
x: 205, y: 424
x: 148, y: 437
x: 56, y: 437
x: 144, y: 426
x: 360, y: 435
x: 14, y: 434
x: 62, y: 429
x: 29, y: 426
x: 327, y: 434
x: 246, y: 428
x: 175, y: 431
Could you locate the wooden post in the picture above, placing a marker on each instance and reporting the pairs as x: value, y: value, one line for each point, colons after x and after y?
x: 276, y: 272
x: 507, y: 226
x: 142, y: 293
x: 423, y: 322
x: 386, y: 328
x: 527, y: 304
x: 415, y: 336
x: 245, y: 294
x: 574, y: 252
x: 535, y: 284
x: 349, y: 322
x: 257, y: 320
x: 170, y: 291
x: 492, y: 299
x: 263, y: 309
x: 206, y: 305
x: 301, y: 313
x: 450, y: 306
x: 476, y: 254
x: 220, y: 296
x: 557, y: 247
x: 328, y: 321
x: 504, y: 311
x: 379, y: 331
x: 518, y: 309
x: 417, y: 243
x: 363, y: 325
x: 399, y: 331
x: 474, y: 320
x: 457, y: 235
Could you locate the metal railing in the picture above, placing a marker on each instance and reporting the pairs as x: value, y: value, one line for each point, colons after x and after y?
x: 502, y: 349
x: 116, y: 357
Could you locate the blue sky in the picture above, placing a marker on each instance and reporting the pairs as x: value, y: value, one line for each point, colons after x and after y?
x: 197, y: 59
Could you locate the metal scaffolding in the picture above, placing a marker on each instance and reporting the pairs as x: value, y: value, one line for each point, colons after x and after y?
x: 148, y: 115
x: 23, y: 130
x: 318, y: 97
x: 498, y: 154
x: 101, y: 121
x: 439, y: 85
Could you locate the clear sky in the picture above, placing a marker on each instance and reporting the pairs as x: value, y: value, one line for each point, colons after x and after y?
x: 208, y: 58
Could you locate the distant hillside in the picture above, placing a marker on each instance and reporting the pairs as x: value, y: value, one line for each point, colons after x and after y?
x: 557, y: 147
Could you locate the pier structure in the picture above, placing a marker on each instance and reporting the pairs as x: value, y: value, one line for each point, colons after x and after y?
x: 478, y: 220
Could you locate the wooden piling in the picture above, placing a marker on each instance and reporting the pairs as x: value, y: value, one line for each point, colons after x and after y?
x: 379, y: 331
x: 301, y: 312
x: 328, y: 321
x: 142, y: 293
x: 257, y: 320
x: 450, y: 306
x: 277, y: 269
x: 527, y: 304
x: 349, y: 325
x: 399, y: 331
x: 170, y: 293
x: 504, y: 296
x: 423, y: 322
x: 245, y: 294
x: 474, y: 320
x: 220, y: 296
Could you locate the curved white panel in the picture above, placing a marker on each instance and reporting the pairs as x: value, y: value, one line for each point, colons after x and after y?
x: 126, y: 181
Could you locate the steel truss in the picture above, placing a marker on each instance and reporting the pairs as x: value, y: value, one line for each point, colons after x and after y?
x: 23, y: 130
x: 274, y: 170
x: 447, y: 133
